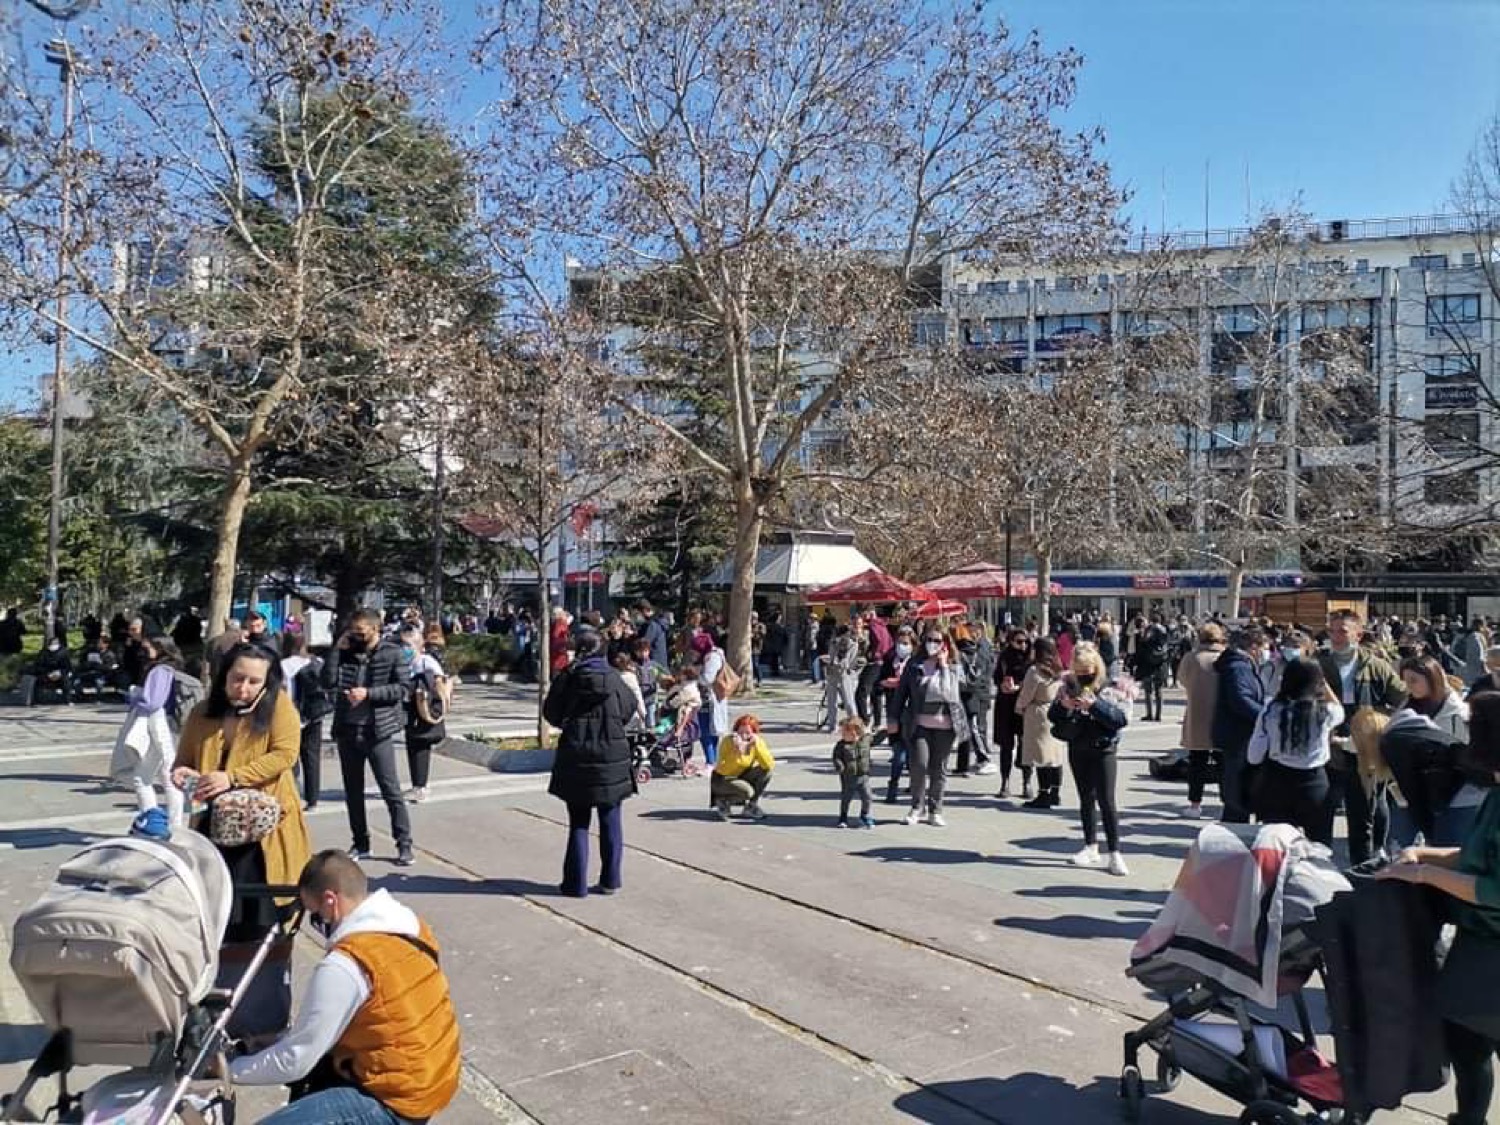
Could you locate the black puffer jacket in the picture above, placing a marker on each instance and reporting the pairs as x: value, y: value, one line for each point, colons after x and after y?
x: 590, y: 704
x: 384, y: 671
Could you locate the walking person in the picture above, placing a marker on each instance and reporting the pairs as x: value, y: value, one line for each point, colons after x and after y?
x: 928, y: 714
x: 303, y: 676
x: 977, y: 688
x: 1011, y: 665
x: 145, y: 740
x: 1240, y: 698
x: 1041, y: 750
x: 1361, y: 680
x: 1201, y: 684
x: 591, y: 707
x: 842, y: 665
x: 851, y: 758
x: 1291, y: 744
x: 1090, y: 715
x: 370, y: 680
x: 890, y: 679
x: 1152, y: 654
x: 426, y: 708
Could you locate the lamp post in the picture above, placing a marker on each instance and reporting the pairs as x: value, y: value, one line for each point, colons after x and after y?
x: 1010, y: 581
x: 60, y: 54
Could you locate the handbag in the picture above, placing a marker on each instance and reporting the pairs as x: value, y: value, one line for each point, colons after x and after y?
x: 241, y: 816
x: 728, y: 682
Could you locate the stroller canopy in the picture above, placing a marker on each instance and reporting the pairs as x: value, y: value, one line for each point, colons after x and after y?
x: 124, y: 942
x: 1238, y: 894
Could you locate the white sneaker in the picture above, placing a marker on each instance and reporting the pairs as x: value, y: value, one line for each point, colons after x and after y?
x: 1193, y: 812
x: 1117, y: 864
x: 1088, y: 857
x: 987, y: 769
x: 936, y: 820
x: 913, y: 817
x: 419, y: 794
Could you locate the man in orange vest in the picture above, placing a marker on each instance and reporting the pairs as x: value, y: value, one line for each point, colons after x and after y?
x: 376, y: 1039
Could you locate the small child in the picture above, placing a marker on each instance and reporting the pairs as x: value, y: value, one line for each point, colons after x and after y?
x: 851, y: 757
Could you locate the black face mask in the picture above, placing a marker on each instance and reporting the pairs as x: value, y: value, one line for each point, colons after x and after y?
x: 321, y: 926
x: 358, y: 644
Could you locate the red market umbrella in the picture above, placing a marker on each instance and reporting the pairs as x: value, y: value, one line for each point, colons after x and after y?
x: 940, y: 607
x: 873, y: 586
x: 986, y: 580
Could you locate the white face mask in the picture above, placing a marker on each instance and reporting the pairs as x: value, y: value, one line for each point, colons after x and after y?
x: 903, y: 650
x: 933, y: 647
x: 1290, y: 654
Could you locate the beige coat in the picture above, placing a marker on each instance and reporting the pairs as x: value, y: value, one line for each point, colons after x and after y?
x: 258, y: 761
x: 1197, y: 676
x: 1038, y: 747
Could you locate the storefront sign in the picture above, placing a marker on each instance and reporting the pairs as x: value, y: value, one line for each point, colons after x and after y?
x: 1151, y: 582
x: 1453, y: 395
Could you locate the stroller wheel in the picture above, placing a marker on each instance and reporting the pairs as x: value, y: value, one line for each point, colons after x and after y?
x: 1271, y: 1113
x: 643, y: 775
x: 1168, y: 1074
x: 1132, y: 1093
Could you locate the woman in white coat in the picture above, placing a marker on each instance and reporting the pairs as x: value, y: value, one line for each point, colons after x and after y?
x: 713, y: 719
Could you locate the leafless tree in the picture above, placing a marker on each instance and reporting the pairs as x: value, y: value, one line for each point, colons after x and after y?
x: 790, y: 177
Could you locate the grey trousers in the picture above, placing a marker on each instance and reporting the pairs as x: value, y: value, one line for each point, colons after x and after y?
x: 929, y: 768
x: 851, y: 787
x: 839, y: 689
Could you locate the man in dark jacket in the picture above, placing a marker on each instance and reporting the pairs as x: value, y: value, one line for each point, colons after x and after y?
x: 590, y: 705
x: 1152, y: 655
x: 11, y: 632
x: 1237, y: 707
x: 651, y: 629
x: 370, y: 681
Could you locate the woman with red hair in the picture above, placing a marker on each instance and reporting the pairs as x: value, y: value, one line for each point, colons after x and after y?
x: 743, y: 770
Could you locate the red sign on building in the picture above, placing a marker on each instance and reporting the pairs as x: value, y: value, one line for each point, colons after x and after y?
x: 1151, y: 582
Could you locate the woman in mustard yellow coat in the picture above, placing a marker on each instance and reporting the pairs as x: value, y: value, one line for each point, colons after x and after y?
x: 247, y: 735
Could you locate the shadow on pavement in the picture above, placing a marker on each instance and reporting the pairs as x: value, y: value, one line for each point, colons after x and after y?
x: 1131, y: 843
x: 21, y: 1042
x: 444, y: 885
x: 922, y: 855
x: 1082, y: 927
x: 1035, y: 1097
x: 1112, y: 894
x: 25, y: 839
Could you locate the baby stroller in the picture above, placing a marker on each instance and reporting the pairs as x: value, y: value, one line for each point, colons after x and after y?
x: 120, y: 957
x: 666, y: 751
x: 1235, y: 932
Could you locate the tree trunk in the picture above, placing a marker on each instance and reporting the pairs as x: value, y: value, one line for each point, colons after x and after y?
x: 748, y: 518
x: 232, y: 504
x: 1235, y: 588
x: 1044, y: 588
x: 544, y: 644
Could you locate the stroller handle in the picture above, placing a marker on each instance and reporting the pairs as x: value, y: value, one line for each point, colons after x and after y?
x: 266, y: 890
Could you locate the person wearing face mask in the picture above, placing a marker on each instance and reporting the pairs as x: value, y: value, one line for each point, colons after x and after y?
x: 928, y: 715
x: 890, y: 678
x: 1361, y: 680
x: 1010, y: 673
x: 376, y: 1041
x: 427, y: 676
x: 1237, y: 706
x: 247, y: 735
x: 371, y: 681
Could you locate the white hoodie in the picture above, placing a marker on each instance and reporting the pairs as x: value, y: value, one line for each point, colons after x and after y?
x: 336, y: 992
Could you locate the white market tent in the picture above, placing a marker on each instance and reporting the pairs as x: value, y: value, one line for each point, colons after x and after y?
x: 793, y: 561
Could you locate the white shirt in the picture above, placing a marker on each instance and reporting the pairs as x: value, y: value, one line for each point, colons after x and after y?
x: 336, y: 992
x: 1266, y: 744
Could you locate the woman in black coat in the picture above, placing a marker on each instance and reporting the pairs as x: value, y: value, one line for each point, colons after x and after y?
x: 591, y: 705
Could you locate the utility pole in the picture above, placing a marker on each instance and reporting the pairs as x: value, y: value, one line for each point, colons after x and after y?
x: 439, y: 474
x: 60, y: 54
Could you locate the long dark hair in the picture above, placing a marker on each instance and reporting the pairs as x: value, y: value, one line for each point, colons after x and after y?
x: 1302, y: 700
x: 218, y: 705
x: 1045, y: 650
x: 166, y: 652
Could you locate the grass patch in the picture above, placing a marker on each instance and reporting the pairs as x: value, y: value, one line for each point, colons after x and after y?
x: 519, y: 743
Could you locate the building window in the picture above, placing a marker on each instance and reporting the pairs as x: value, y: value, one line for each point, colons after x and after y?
x: 1452, y: 433
x: 1361, y: 265
x: 991, y: 288
x: 1239, y: 318
x: 1451, y: 368
x: 1452, y: 488
x: 1452, y: 314
x: 930, y: 332
x: 1469, y: 258
x: 1429, y: 261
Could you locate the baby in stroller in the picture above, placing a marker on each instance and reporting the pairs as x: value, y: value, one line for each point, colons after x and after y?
x: 676, y: 730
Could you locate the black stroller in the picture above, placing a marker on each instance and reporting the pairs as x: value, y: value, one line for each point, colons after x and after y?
x: 1215, y: 956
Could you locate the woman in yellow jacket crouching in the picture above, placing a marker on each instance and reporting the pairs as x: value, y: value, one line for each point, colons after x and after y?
x: 743, y: 770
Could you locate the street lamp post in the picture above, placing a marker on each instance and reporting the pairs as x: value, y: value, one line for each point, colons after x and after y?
x: 1010, y: 581
x: 60, y: 54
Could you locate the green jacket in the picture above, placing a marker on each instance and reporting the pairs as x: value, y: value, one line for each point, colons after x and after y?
x: 852, y: 759
x: 1375, y: 681
x: 1481, y: 858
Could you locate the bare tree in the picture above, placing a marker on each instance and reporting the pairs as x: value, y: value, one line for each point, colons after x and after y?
x: 229, y: 146
x: 791, y: 177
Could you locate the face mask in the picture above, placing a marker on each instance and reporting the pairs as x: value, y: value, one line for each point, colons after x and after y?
x: 408, y: 652
x: 933, y: 647
x: 322, y: 926
x: 1290, y: 654
x: 903, y: 650
x: 1263, y: 657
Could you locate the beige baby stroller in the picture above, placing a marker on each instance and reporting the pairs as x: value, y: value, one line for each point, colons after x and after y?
x: 119, y: 958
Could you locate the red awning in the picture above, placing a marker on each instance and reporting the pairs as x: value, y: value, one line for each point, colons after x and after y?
x: 874, y: 586
x: 986, y: 580
x: 940, y: 607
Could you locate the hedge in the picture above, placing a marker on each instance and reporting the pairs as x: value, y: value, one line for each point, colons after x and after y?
x: 471, y: 654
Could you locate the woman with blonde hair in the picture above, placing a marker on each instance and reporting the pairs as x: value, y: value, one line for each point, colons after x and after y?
x: 1089, y: 715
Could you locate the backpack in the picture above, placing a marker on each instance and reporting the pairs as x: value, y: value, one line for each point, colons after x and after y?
x: 431, y: 697
x: 313, y: 702
x: 728, y: 682
x: 1153, y: 652
x: 187, y: 693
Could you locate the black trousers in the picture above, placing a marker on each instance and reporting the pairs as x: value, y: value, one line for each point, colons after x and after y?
x: 1008, y: 727
x: 1151, y: 683
x: 310, y: 758
x: 1473, y: 1059
x: 1094, y: 774
x: 1284, y: 795
x: 419, y: 761
x: 355, y: 752
x: 868, y: 696
x: 1198, y: 763
x: 1367, y: 815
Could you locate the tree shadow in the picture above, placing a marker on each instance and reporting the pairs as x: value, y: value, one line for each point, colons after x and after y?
x: 1036, y: 1097
x: 30, y: 839
x: 1131, y: 843
x: 1080, y: 927
x: 915, y: 854
x: 400, y: 883
x: 62, y: 778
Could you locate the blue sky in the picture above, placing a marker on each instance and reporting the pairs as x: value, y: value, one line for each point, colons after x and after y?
x: 1366, y: 108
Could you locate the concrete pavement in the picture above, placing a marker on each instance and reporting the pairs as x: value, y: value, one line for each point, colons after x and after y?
x: 785, y: 970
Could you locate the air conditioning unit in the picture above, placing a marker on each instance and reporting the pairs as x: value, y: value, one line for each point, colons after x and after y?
x: 1338, y: 230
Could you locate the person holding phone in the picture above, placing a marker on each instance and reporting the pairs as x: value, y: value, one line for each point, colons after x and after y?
x: 370, y: 680
x: 1089, y: 715
x: 928, y: 714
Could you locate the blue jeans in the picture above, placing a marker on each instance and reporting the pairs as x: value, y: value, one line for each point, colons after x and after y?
x: 898, y: 767
x: 611, y: 847
x: 342, y: 1105
x: 708, y: 735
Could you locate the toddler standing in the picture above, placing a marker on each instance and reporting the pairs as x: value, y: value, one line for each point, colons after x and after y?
x: 851, y: 757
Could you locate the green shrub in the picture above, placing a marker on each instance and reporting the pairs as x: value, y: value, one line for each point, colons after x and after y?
x: 10, y: 671
x: 471, y: 654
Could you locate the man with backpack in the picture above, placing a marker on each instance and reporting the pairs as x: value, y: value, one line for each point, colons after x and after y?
x: 1152, y: 655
